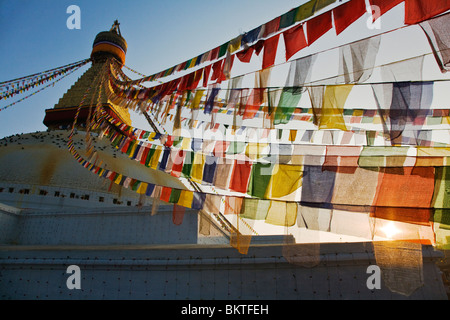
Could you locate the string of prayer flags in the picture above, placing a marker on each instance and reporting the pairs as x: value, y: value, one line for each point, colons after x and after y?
x: 186, y: 198
x: 309, y: 8
x: 178, y: 214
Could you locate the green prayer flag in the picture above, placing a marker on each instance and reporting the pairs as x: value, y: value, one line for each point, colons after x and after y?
x: 381, y: 156
x: 135, y: 185
x: 149, y: 156
x: 236, y: 147
x: 289, y: 100
x: 187, y: 166
x: 288, y: 18
x: 223, y: 49
x: 254, y: 209
x: 175, y: 195
x: 259, y: 179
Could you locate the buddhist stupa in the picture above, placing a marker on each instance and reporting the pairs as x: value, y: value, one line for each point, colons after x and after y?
x: 54, y: 213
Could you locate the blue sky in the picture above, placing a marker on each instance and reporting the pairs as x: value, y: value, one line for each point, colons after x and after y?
x: 159, y: 34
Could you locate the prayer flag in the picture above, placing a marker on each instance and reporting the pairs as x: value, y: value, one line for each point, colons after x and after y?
x: 384, y: 5
x: 240, y: 176
x: 420, y: 10
x: 282, y: 213
x: 286, y: 179
x: 270, y: 51
x: 347, y: 13
x: 294, y: 40
x: 318, y: 26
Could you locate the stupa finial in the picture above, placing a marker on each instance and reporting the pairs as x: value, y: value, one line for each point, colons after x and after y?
x: 115, y: 27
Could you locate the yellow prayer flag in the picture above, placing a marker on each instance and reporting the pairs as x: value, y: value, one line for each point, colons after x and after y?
x: 142, y: 188
x: 358, y: 113
x: 155, y: 158
x: 235, y: 44
x: 197, y: 99
x: 186, y: 198
x: 331, y: 114
x: 197, y: 167
x: 193, y: 61
x: 286, y: 179
x: 186, y: 144
x: 282, y: 213
x: 117, y: 179
x: 133, y: 148
x: 151, y: 136
x: 256, y: 150
x: 292, y: 135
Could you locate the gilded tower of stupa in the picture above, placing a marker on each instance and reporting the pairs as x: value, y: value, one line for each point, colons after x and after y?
x: 107, y: 44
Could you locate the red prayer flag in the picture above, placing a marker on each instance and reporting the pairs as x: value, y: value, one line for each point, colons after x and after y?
x: 126, y: 145
x: 271, y: 27
x: 347, y: 13
x: 195, y: 81
x: 240, y: 176
x: 419, y: 10
x: 258, y: 47
x: 206, y: 71
x: 270, y: 51
x: 165, y: 194
x: 215, y: 53
x: 218, y: 74
x: 177, y: 163
x: 318, y: 26
x: 217, y: 69
x: 144, y: 155
x: 246, y: 55
x: 185, y: 81
x: 294, y: 40
x: 384, y: 5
